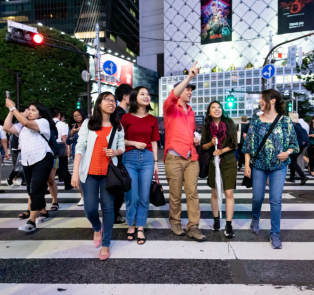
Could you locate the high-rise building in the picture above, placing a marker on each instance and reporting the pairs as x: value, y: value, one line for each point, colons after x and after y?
x: 118, y: 20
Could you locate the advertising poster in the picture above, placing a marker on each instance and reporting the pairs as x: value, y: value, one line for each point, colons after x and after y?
x: 216, y: 21
x: 295, y: 16
x: 117, y: 71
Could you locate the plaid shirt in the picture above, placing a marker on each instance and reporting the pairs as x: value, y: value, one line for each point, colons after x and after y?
x: 33, y: 147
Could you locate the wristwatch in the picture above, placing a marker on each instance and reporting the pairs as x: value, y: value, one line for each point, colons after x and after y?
x: 289, y: 152
x: 12, y: 109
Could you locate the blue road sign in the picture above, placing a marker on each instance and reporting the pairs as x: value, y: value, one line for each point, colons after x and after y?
x: 268, y: 71
x: 110, y: 67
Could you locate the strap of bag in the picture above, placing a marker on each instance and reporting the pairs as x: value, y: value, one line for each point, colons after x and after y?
x: 157, y: 178
x: 113, y: 133
x: 44, y: 138
x: 272, y: 126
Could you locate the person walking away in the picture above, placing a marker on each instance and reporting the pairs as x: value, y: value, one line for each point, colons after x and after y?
x: 242, y: 129
x: 300, y: 160
x: 63, y: 171
x: 302, y: 137
x: 140, y: 159
x: 37, y: 156
x: 76, y: 120
x: 311, y: 147
x: 181, y: 158
x: 219, y: 126
x: 122, y: 94
x: 90, y: 171
x: 271, y: 161
x: 4, y: 145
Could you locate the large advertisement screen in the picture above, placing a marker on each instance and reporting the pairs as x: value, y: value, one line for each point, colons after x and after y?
x: 295, y: 16
x: 216, y: 21
x: 115, y: 70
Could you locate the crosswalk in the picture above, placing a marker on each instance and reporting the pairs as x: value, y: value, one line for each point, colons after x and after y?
x: 60, y: 256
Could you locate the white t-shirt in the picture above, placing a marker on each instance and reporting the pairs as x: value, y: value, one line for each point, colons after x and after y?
x: 62, y: 129
x: 2, y: 133
x: 304, y: 125
x: 33, y: 146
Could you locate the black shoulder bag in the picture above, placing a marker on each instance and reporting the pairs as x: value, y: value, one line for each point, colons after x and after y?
x: 156, y: 197
x: 248, y: 182
x: 118, y: 178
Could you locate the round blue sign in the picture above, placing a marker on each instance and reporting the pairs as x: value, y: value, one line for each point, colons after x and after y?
x: 268, y: 71
x: 110, y: 67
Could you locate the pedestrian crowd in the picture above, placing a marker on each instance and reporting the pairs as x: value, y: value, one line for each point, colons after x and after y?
x: 119, y: 142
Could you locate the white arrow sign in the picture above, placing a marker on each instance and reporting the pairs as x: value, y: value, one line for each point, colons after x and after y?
x: 111, y: 68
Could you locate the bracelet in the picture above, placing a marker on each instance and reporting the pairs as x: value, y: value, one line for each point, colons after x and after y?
x: 155, y: 161
x: 288, y: 152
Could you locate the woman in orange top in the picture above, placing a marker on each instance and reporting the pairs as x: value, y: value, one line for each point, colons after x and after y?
x: 91, y: 172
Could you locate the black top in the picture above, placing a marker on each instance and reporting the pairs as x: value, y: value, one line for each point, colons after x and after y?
x: 244, y: 129
x: 121, y: 112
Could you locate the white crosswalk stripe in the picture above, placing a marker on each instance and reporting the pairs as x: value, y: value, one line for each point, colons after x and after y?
x: 65, y: 240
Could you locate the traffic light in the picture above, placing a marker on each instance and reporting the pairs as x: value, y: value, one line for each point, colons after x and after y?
x: 23, y: 34
x: 290, y: 107
x: 231, y: 102
x: 79, y: 105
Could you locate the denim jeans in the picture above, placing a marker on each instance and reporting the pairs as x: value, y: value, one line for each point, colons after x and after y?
x: 93, y: 188
x: 276, y: 184
x: 140, y: 165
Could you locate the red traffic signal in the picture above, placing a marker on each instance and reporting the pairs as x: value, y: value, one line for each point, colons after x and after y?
x: 38, y: 38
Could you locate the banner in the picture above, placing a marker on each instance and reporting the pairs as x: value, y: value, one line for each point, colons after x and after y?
x: 122, y: 70
x: 295, y: 16
x: 216, y: 21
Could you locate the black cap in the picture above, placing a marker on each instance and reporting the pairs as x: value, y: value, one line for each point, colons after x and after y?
x: 189, y: 85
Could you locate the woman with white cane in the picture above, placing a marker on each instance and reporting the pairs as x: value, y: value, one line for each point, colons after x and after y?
x: 221, y: 128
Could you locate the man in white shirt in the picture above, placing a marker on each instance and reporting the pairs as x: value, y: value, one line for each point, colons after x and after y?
x: 4, y: 144
x: 63, y: 170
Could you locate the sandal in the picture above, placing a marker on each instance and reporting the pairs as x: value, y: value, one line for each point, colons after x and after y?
x: 54, y: 208
x: 140, y: 239
x: 131, y: 235
x: 25, y: 216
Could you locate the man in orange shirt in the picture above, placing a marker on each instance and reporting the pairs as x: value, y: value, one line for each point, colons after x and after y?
x: 181, y: 158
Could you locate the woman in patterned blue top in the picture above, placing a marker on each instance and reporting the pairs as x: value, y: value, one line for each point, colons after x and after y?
x: 272, y: 160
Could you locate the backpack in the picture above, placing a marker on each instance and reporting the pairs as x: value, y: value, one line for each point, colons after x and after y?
x: 53, y: 141
x: 303, y: 138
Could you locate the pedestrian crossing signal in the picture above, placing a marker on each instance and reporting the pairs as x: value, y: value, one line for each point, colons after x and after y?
x: 79, y: 104
x: 230, y: 102
x: 290, y: 107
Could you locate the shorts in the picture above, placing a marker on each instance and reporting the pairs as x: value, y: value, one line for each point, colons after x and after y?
x: 55, y: 163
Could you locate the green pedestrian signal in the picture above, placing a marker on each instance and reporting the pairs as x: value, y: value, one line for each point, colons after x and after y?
x: 230, y: 102
x: 79, y: 104
x: 290, y: 107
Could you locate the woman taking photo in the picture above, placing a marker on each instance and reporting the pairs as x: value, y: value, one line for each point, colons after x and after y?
x: 310, y: 150
x: 37, y: 156
x: 219, y: 126
x: 75, y: 123
x: 91, y: 171
x: 140, y: 159
x: 272, y: 160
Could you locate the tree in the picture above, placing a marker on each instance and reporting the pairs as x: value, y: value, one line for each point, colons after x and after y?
x: 305, y: 107
x: 49, y: 75
x: 306, y: 72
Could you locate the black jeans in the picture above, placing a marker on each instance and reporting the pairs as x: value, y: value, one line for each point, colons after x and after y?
x: 294, y: 165
x: 241, y: 155
x: 36, y: 177
x: 63, y: 171
x: 310, y: 152
x: 118, y: 200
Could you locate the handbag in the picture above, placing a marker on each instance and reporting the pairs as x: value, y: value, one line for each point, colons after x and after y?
x: 118, y: 178
x: 247, y: 181
x: 18, y: 166
x: 204, y: 159
x: 157, y: 197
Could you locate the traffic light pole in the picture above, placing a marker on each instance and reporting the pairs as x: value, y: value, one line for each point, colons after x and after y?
x: 97, y: 43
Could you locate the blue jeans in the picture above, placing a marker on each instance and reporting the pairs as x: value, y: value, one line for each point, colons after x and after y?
x: 95, y: 186
x: 140, y: 165
x: 276, y: 184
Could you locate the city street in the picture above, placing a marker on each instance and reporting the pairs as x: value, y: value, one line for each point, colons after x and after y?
x: 63, y: 257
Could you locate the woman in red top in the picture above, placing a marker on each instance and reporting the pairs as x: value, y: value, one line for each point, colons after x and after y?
x: 140, y: 159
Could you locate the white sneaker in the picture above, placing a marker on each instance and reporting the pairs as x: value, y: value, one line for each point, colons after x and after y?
x: 41, y: 219
x: 81, y: 202
x: 27, y: 227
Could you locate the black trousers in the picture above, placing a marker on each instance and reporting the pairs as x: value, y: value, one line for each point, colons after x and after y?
x: 241, y: 155
x: 36, y: 177
x: 118, y: 201
x: 63, y: 171
x: 294, y: 165
x: 310, y: 152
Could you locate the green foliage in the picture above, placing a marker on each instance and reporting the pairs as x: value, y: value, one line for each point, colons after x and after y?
x: 305, y: 107
x: 306, y: 74
x: 49, y: 75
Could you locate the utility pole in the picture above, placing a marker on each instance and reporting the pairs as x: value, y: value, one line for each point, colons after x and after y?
x: 97, y: 43
x: 270, y: 56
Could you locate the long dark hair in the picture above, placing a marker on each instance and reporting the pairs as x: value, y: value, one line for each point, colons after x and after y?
x: 133, y: 100
x: 95, y: 121
x: 224, y: 118
x: 44, y: 113
x: 72, y: 120
x: 311, y: 125
x: 270, y: 94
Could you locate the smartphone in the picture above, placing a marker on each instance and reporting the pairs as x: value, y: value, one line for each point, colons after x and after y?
x: 75, y: 126
x: 8, y: 94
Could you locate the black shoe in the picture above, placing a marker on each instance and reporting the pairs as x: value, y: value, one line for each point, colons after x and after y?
x: 304, y: 180
x: 228, y: 231
x: 9, y: 182
x: 67, y: 188
x: 290, y: 180
x: 119, y: 220
x: 216, y: 226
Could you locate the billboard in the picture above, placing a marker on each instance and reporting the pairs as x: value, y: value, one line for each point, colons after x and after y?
x: 295, y: 16
x: 115, y: 70
x: 216, y: 21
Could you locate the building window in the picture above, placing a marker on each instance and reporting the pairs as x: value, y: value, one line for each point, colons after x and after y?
x: 130, y: 52
x: 13, y: 18
x: 132, y: 12
x: 113, y: 38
